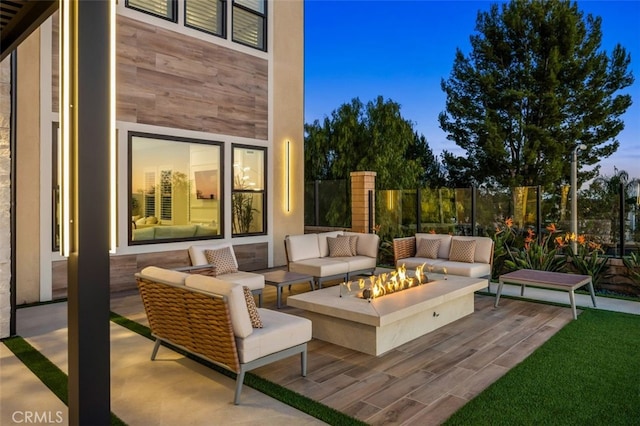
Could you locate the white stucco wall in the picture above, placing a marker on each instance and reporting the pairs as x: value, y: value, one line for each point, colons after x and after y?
x: 5, y: 199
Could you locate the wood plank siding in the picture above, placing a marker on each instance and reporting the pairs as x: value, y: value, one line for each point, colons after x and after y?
x: 168, y: 79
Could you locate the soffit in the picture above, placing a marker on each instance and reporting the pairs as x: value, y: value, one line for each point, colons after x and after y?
x: 19, y: 18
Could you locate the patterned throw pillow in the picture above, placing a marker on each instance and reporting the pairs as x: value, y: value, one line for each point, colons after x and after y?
x: 339, y: 247
x: 428, y: 248
x: 254, y: 315
x: 353, y: 243
x: 223, y: 260
x: 462, y: 251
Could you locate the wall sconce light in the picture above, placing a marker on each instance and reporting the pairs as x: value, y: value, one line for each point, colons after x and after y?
x: 288, y: 175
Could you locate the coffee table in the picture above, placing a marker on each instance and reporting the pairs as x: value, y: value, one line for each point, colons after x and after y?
x: 382, y: 324
x: 282, y: 278
x: 550, y: 280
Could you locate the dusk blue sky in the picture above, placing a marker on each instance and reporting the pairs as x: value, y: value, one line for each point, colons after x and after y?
x: 402, y: 49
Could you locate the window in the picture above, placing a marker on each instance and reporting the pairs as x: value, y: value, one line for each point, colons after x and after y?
x: 248, y: 198
x: 249, y: 23
x: 176, y: 190
x: 206, y: 15
x: 56, y: 209
x: 162, y: 8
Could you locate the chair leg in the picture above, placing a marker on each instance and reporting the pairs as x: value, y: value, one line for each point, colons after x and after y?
x: 239, y: 382
x: 155, y: 349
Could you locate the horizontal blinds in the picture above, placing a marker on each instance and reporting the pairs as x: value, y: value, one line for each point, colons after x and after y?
x: 248, y: 28
x: 157, y: 7
x: 205, y: 14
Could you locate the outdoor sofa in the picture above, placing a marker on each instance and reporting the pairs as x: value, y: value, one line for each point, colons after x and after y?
x: 209, y: 318
x: 324, y: 257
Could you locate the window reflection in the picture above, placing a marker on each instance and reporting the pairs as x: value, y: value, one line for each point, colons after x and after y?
x: 175, y: 189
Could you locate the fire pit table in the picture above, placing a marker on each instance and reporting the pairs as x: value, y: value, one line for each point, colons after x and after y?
x: 378, y: 325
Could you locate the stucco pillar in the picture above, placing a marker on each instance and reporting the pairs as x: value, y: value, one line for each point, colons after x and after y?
x: 361, y: 184
x: 5, y: 198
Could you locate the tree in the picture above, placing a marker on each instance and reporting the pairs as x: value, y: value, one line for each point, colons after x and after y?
x: 534, y: 85
x: 371, y: 137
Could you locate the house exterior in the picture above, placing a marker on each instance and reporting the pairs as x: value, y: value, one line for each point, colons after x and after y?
x: 209, y: 140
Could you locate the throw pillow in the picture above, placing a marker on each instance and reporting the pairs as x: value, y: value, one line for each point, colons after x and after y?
x: 222, y: 259
x: 339, y: 247
x: 462, y: 251
x: 428, y: 248
x: 254, y: 315
x: 353, y: 243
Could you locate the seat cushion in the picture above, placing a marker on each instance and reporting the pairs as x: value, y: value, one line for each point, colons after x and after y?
x: 445, y: 243
x: 474, y: 270
x: 359, y: 263
x: 238, y: 311
x: 320, y: 267
x: 411, y: 263
x: 249, y: 279
x: 367, y: 244
x: 166, y: 275
x: 280, y: 331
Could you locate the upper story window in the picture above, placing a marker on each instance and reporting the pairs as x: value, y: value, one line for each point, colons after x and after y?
x: 175, y: 189
x: 206, y: 15
x: 162, y: 8
x: 249, y: 23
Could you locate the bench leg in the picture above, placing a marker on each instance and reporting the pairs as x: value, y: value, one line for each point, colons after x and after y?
x: 522, y: 291
x: 278, y: 295
x: 498, y: 293
x: 572, y: 298
x: 311, y: 284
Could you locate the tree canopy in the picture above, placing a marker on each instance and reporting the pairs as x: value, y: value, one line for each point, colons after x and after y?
x: 535, y: 85
x: 373, y: 137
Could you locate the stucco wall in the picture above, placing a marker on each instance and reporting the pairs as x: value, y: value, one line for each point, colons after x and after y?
x: 5, y: 198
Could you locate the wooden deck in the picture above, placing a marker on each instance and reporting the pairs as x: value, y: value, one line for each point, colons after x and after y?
x: 421, y: 382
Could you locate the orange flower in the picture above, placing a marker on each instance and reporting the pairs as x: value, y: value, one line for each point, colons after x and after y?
x: 594, y: 246
x: 432, y: 231
x: 498, y: 230
x: 530, y: 233
x: 581, y: 240
x: 560, y: 242
x: 552, y: 228
x: 509, y: 222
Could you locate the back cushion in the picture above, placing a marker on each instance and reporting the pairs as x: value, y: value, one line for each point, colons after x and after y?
x: 323, y: 246
x: 166, y: 275
x: 301, y: 247
x: 240, y: 320
x: 445, y: 243
x: 483, y: 248
x: 196, y: 253
x: 367, y: 244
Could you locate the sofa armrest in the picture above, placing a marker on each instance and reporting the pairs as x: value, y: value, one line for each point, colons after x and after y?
x: 209, y: 270
x: 403, y: 248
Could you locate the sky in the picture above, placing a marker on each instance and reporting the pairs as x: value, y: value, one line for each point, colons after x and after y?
x: 402, y: 49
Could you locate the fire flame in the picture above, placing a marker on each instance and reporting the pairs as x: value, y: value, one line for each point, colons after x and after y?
x: 394, y: 282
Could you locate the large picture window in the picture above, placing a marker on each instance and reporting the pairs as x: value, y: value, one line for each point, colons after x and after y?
x: 248, y: 198
x: 176, y: 189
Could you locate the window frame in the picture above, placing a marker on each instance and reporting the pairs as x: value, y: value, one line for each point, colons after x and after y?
x: 264, y: 16
x: 223, y: 33
x: 262, y: 192
x: 173, y: 10
x: 176, y: 139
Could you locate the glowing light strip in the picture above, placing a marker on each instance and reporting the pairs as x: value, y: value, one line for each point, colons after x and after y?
x: 288, y: 176
x: 65, y: 122
x: 113, y: 213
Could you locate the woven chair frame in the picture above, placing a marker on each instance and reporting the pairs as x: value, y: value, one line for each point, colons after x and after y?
x: 197, y: 321
x: 403, y: 248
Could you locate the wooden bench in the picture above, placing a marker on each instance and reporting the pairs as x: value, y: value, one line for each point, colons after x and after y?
x: 550, y: 280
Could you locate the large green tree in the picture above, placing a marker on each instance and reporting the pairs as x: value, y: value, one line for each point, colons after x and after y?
x: 372, y: 137
x: 535, y: 85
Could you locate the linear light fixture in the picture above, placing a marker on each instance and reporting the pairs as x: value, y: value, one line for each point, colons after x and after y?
x: 288, y: 174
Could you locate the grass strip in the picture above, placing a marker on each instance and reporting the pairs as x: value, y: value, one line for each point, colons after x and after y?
x: 587, y: 373
x: 306, y: 405
x: 49, y: 373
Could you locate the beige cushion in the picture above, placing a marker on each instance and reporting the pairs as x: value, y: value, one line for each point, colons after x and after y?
x: 320, y: 267
x: 141, y: 221
x: 281, y: 331
x: 250, y: 279
x: 254, y: 315
x: 300, y: 247
x: 238, y: 311
x: 323, y: 245
x: 339, y: 247
x: 462, y: 251
x: 428, y: 248
x: 223, y: 259
x: 166, y: 275
x: 367, y: 244
x: 196, y: 253
x: 445, y: 243
x: 353, y: 243
x: 151, y: 220
x: 484, y: 247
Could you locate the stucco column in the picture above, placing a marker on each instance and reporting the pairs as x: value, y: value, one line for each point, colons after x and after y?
x: 361, y: 184
x: 5, y: 199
